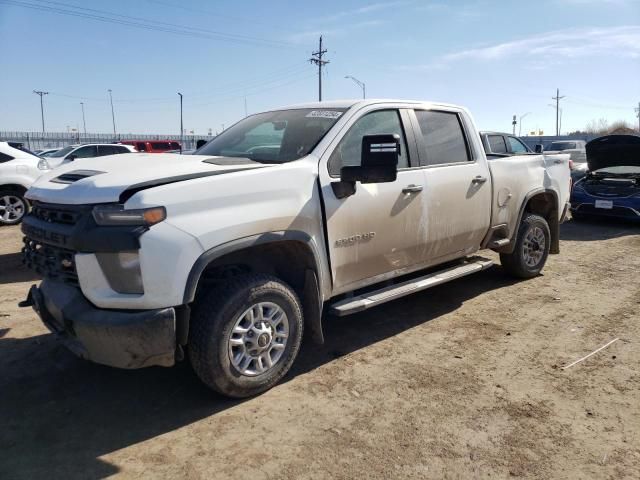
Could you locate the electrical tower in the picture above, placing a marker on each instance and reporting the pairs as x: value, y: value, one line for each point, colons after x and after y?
x: 41, y: 93
x: 557, y: 98
x: 317, y: 59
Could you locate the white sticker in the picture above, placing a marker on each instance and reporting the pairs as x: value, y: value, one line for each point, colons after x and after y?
x: 331, y: 114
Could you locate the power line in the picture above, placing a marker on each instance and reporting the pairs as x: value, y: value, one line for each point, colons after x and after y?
x: 138, y: 22
x: 316, y: 57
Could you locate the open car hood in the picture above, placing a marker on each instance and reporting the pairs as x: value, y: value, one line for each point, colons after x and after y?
x: 613, y: 151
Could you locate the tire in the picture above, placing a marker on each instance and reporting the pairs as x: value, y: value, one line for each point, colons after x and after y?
x: 223, y: 337
x: 529, y: 256
x: 13, y: 207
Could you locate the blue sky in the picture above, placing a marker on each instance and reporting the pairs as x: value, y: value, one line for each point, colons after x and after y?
x: 496, y: 58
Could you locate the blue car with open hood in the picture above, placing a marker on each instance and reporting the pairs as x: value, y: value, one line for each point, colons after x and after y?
x: 611, y: 187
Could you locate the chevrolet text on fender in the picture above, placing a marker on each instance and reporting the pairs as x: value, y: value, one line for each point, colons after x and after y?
x: 229, y: 256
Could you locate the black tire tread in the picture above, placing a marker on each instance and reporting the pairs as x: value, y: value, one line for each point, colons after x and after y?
x: 512, y: 262
x: 208, y: 318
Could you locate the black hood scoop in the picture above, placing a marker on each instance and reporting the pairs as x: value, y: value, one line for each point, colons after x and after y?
x: 75, y: 175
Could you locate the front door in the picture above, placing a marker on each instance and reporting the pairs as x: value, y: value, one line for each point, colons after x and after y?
x: 379, y: 229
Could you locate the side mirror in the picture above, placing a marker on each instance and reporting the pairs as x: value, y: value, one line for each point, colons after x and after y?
x: 378, y: 162
x: 71, y: 157
x: 538, y: 148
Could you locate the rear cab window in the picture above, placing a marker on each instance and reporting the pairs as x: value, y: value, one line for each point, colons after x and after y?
x: 443, y: 138
x: 497, y: 144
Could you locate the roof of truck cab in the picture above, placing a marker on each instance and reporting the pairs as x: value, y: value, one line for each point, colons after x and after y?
x: 360, y: 102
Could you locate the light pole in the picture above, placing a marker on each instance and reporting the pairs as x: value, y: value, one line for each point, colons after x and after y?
x: 113, y: 115
x: 520, y: 122
x: 360, y: 84
x: 181, y: 127
x: 84, y: 124
x: 41, y: 93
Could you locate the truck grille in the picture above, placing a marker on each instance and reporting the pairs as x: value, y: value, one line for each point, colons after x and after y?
x: 56, y: 214
x: 49, y: 261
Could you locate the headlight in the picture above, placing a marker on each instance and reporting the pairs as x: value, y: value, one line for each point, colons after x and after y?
x: 116, y: 215
x: 43, y: 165
x: 122, y: 271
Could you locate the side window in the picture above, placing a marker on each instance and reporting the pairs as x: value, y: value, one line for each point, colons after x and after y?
x: 517, y: 146
x: 5, y: 158
x: 444, y: 139
x: 120, y: 149
x: 496, y: 142
x: 86, y: 152
x: 349, y: 150
x: 140, y: 146
x: 106, y: 150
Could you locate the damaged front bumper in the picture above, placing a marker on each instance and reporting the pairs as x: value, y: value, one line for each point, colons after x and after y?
x: 118, y: 338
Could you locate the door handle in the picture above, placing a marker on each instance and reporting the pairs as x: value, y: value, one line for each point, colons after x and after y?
x: 479, y: 179
x: 558, y: 161
x: 412, y: 189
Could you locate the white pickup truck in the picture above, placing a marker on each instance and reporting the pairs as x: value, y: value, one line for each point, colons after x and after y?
x: 231, y: 253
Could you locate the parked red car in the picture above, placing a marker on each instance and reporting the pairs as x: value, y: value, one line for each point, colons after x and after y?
x: 153, y: 146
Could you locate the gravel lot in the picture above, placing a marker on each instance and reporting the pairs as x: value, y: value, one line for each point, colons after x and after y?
x: 461, y: 381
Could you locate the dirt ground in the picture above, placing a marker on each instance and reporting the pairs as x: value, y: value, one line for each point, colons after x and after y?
x: 461, y: 381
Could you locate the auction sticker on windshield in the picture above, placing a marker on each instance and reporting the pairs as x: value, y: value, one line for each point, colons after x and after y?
x: 324, y: 114
x: 608, y: 204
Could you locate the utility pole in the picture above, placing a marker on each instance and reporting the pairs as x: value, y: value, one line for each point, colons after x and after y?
x: 638, y: 115
x: 514, y: 122
x: 317, y: 59
x: 557, y: 98
x: 113, y: 115
x: 181, y: 126
x: 41, y: 93
x: 245, y: 106
x: 84, y: 124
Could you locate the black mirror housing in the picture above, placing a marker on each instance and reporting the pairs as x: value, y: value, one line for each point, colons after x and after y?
x: 538, y: 148
x: 378, y: 161
x: 71, y: 157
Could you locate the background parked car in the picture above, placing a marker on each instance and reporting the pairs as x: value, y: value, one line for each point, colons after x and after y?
x: 72, y: 152
x: 502, y: 145
x: 611, y: 186
x: 19, y: 168
x: 47, y: 152
x: 153, y: 146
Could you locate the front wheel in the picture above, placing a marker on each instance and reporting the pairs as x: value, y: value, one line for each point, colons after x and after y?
x: 531, y: 249
x: 245, y: 335
x: 13, y: 207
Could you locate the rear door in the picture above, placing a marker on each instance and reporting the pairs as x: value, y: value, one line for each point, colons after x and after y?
x: 457, y: 184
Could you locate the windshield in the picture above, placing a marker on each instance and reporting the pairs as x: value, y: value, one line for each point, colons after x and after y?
x: 560, y: 146
x: 62, y: 152
x: 274, y: 137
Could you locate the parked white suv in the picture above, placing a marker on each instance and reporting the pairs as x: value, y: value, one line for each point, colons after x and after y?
x: 19, y: 168
x: 87, y: 150
x: 234, y: 252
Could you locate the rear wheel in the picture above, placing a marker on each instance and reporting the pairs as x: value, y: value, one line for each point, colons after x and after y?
x: 245, y: 335
x: 531, y: 249
x: 13, y: 207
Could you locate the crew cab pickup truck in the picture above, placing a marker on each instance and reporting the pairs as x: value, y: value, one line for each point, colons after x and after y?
x: 498, y: 144
x: 229, y: 255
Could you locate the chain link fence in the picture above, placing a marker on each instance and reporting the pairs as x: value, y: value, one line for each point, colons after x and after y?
x: 40, y: 141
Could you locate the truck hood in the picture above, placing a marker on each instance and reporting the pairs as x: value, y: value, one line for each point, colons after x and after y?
x: 115, y: 178
x: 613, y: 151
